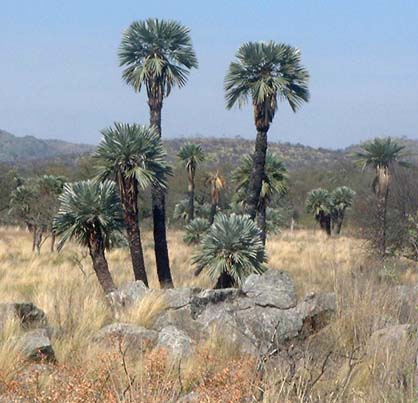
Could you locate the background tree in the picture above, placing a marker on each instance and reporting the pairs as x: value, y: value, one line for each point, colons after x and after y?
x: 134, y: 157
x: 274, y: 184
x: 217, y: 184
x: 342, y: 199
x: 89, y: 213
x: 191, y: 155
x: 381, y: 154
x: 231, y: 250
x: 265, y: 72
x: 159, y: 55
x: 319, y: 203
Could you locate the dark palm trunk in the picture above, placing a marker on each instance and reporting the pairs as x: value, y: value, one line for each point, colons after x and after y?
x: 191, y: 199
x: 100, y: 266
x: 52, y: 242
x: 262, y: 220
x: 158, y: 206
x: 212, y: 213
x: 339, y: 222
x: 382, y: 199
x: 129, y: 196
x: 325, y: 222
x: 257, y: 174
x: 225, y: 280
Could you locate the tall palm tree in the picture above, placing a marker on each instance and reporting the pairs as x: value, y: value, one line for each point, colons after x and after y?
x: 319, y: 203
x: 265, y: 72
x: 158, y: 55
x: 274, y: 184
x: 381, y: 154
x: 134, y: 157
x: 231, y: 250
x: 89, y: 213
x: 191, y: 155
x: 342, y: 199
x: 217, y: 184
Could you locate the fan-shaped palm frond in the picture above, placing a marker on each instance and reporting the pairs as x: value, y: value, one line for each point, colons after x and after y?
x: 232, y: 246
x: 158, y: 54
x: 318, y: 200
x: 342, y: 198
x: 87, y: 207
x: 195, y: 229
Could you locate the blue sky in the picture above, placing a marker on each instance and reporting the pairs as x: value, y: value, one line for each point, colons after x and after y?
x: 59, y: 74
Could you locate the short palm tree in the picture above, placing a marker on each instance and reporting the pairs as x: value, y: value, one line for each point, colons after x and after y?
x: 195, y: 229
x: 158, y: 55
x: 134, y: 157
x: 217, y: 184
x: 381, y: 154
x: 342, y: 199
x: 191, y: 155
x: 89, y: 213
x: 231, y: 250
x: 274, y: 184
x: 265, y: 72
x: 319, y: 203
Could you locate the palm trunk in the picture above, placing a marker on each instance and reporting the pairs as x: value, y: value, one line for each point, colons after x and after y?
x: 339, y: 223
x: 52, y: 242
x: 158, y: 208
x: 382, y: 200
x: 34, y: 237
x: 38, y: 239
x: 325, y: 222
x: 262, y: 220
x: 100, y: 266
x: 257, y: 174
x: 129, y: 197
x: 191, y: 200
x: 225, y: 280
x: 212, y: 214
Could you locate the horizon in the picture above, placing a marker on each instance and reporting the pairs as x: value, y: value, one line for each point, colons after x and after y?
x: 64, y: 83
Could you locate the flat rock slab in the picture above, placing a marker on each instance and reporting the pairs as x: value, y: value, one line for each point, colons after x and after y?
x: 36, y: 346
x: 176, y: 341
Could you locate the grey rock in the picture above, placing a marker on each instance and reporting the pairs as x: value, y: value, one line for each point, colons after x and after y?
x: 177, y: 342
x: 36, y: 346
x: 30, y: 316
x: 128, y: 294
x: 176, y: 298
x: 274, y: 288
x: 128, y: 336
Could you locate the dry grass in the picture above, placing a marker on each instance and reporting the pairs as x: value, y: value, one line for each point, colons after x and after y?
x: 65, y: 287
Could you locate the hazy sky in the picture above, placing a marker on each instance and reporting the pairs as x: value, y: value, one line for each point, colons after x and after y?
x: 59, y: 74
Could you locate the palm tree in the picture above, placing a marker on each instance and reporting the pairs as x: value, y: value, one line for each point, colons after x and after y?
x: 342, y: 199
x: 134, y: 157
x: 231, y: 250
x: 265, y: 72
x: 319, y: 203
x: 191, y: 155
x: 89, y: 213
x: 217, y: 184
x: 274, y: 184
x: 381, y: 154
x: 195, y: 229
x: 158, y: 55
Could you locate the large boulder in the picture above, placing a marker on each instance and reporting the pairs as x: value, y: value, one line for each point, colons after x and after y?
x: 30, y: 316
x: 177, y: 342
x: 128, y: 294
x: 36, y: 346
x: 274, y: 288
x: 128, y: 336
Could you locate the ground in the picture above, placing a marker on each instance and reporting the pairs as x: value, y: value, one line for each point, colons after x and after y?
x: 64, y: 286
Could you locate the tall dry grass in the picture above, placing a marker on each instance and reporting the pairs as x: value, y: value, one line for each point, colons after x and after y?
x: 64, y: 286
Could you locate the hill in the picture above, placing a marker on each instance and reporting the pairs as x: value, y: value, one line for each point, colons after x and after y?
x: 13, y: 148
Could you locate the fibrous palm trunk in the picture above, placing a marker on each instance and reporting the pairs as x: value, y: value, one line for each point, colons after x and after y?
x: 191, y: 187
x: 339, y: 222
x: 129, y: 196
x: 262, y: 219
x: 382, y: 199
x: 225, y: 280
x: 158, y: 209
x: 324, y: 220
x: 100, y: 266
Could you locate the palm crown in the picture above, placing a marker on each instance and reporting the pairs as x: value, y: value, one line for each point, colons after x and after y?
x: 275, y: 178
x: 342, y: 198
x: 156, y: 53
x: 267, y: 72
x: 87, y: 207
x: 132, y: 151
x: 319, y: 201
x: 232, y: 245
x: 191, y: 154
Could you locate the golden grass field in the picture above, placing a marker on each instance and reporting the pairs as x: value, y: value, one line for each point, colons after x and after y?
x: 64, y: 286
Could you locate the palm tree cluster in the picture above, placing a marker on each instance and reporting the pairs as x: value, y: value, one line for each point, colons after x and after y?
x: 328, y: 208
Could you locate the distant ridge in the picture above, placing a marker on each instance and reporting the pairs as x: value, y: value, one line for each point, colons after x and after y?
x: 14, y: 149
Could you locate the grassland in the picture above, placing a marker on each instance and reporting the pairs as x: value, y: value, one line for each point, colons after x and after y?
x: 64, y: 286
